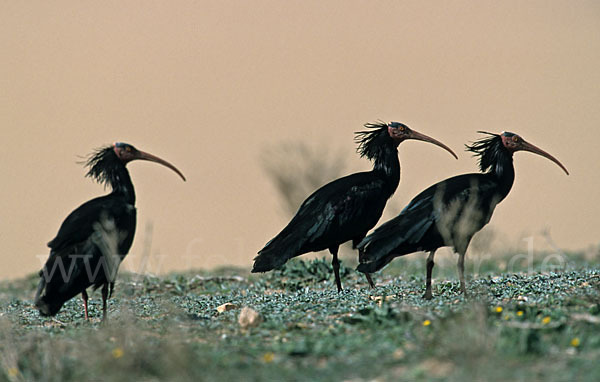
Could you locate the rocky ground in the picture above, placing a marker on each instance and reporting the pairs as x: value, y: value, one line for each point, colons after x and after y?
x: 291, y: 324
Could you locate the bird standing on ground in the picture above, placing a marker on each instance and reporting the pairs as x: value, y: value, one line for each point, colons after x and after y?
x: 95, y: 237
x: 347, y: 208
x: 450, y: 212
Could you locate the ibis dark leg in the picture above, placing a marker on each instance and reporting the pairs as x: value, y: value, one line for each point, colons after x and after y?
x: 84, y: 296
x: 355, y: 242
x: 104, y: 298
x: 430, y: 265
x: 461, y: 272
x: 336, y: 267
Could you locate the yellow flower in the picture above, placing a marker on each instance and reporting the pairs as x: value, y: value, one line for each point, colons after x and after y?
x: 117, y: 353
x: 546, y: 320
x: 499, y: 309
x: 426, y: 323
x: 268, y: 357
x: 520, y: 313
x: 575, y: 342
x: 13, y: 372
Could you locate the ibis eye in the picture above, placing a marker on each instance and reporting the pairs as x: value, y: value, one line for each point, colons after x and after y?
x: 401, y: 128
x: 515, y: 139
x: 128, y: 149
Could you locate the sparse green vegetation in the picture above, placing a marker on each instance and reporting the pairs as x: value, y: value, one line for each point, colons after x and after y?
x: 515, y: 326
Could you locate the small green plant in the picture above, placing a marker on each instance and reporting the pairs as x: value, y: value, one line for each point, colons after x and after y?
x: 298, y: 273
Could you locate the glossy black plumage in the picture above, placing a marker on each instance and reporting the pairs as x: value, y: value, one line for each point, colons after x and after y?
x: 450, y: 212
x: 345, y: 209
x: 96, y: 236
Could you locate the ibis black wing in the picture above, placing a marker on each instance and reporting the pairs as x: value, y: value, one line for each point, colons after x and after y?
x: 79, y: 225
x: 77, y: 258
x: 406, y: 232
x: 337, y: 212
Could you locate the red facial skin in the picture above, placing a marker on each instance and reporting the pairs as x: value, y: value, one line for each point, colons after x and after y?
x: 515, y: 143
x: 402, y: 133
x: 127, y: 153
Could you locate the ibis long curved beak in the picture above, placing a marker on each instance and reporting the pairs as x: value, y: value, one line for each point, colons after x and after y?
x: 425, y: 138
x: 526, y: 146
x: 152, y: 158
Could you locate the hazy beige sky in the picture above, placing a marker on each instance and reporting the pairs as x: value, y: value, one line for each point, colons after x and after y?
x: 208, y: 85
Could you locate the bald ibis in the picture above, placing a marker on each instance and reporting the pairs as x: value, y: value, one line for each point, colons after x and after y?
x: 96, y: 236
x: 347, y: 208
x: 450, y: 212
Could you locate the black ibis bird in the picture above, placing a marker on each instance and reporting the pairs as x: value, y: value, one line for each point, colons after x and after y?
x: 96, y: 236
x: 347, y: 208
x: 450, y: 212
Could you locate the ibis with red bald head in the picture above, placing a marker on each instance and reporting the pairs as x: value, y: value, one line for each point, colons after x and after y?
x: 450, y: 212
x: 95, y: 238
x: 347, y: 208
